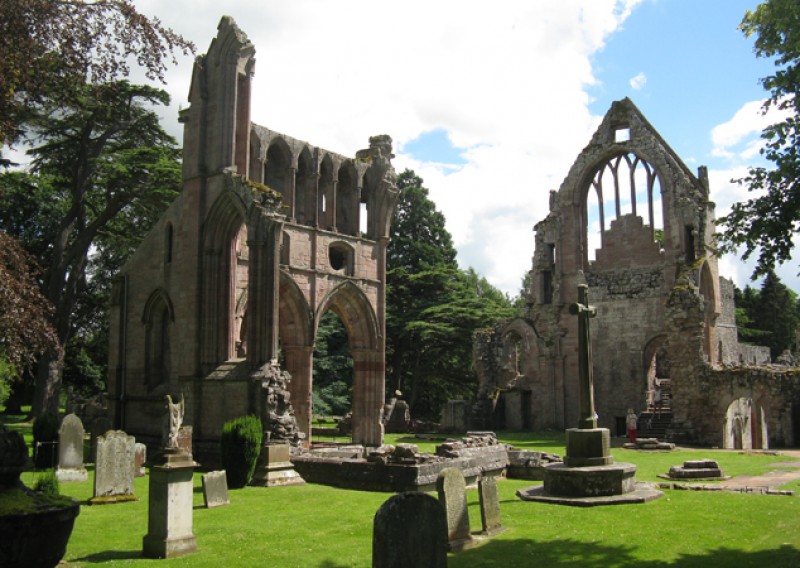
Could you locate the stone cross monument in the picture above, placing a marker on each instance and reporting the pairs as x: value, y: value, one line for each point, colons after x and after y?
x: 587, y: 415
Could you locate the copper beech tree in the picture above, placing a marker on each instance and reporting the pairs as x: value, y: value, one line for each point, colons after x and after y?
x: 25, y: 328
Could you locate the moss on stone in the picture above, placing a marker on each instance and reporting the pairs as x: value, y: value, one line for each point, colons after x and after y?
x: 21, y: 501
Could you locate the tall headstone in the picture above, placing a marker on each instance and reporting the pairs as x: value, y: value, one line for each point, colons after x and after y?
x: 410, y: 529
x: 452, y: 490
x: 113, y: 476
x: 215, y: 489
x: 490, y: 506
x: 70, y: 450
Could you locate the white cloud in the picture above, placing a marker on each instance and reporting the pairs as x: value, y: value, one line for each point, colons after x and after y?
x: 508, y: 81
x: 740, y: 137
x: 637, y: 83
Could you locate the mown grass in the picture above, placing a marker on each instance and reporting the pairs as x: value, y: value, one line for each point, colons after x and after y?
x: 324, y: 527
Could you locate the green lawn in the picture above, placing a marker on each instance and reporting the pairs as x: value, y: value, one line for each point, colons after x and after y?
x: 318, y: 526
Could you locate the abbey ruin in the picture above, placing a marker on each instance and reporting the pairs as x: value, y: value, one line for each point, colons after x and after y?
x: 636, y: 225
x: 269, y: 233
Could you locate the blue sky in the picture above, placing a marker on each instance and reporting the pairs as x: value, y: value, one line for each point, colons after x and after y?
x: 490, y: 103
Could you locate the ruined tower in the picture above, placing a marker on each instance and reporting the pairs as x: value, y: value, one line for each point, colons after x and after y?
x: 267, y: 235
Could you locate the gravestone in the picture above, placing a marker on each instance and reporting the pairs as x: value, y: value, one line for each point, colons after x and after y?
x: 113, y: 478
x: 70, y: 450
x: 455, y: 416
x: 139, y: 459
x: 452, y: 490
x: 410, y: 529
x: 490, y: 506
x: 215, y: 489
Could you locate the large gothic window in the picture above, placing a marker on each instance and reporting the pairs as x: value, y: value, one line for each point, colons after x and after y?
x: 158, y: 317
x: 623, y: 200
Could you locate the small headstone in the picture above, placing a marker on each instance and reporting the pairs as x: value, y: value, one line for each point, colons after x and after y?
x: 410, y: 529
x: 490, y: 506
x: 113, y: 478
x: 70, y: 450
x: 139, y: 459
x: 185, y: 439
x: 215, y: 489
x: 452, y: 490
x: 455, y: 416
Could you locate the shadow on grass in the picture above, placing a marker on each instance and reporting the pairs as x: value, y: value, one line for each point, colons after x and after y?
x: 592, y: 555
x: 110, y: 555
x: 331, y: 564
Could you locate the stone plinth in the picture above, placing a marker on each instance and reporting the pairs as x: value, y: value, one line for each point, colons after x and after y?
x: 588, y: 447
x: 592, y: 481
x: 274, y: 467
x: 696, y: 470
x: 170, y: 506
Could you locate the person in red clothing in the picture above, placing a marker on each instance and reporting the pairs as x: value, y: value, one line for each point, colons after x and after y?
x: 631, y: 422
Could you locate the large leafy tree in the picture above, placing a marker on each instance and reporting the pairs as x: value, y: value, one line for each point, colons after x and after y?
x: 51, y: 48
x: 103, y: 170
x: 25, y: 330
x: 433, y: 307
x: 768, y: 222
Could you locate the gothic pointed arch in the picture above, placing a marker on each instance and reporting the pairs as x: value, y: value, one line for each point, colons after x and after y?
x: 348, y: 199
x: 157, y: 317
x: 294, y: 313
x: 222, y: 260
x: 356, y: 313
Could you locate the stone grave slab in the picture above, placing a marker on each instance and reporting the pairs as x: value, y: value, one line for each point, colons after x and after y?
x: 215, y: 489
x: 113, y: 479
x: 70, y: 451
x: 452, y: 490
x: 490, y: 506
x: 139, y: 459
x: 410, y: 529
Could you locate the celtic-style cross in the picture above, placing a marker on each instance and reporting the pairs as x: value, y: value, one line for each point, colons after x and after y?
x: 586, y: 418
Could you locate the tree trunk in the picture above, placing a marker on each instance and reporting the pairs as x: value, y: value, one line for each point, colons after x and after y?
x: 47, y: 396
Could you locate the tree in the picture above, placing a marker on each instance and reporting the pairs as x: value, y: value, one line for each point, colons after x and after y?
x: 105, y: 170
x: 333, y: 368
x: 432, y: 306
x: 776, y: 314
x: 25, y: 329
x: 49, y: 49
x: 768, y: 222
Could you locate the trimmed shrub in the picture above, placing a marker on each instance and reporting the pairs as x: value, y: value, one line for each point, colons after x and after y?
x: 240, y: 445
x: 45, y: 440
x: 47, y: 484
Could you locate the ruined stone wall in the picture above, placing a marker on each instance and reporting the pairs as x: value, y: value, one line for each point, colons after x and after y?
x: 629, y: 312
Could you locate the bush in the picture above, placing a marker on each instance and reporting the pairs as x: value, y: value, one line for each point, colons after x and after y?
x: 47, y: 484
x: 240, y: 445
x: 45, y: 440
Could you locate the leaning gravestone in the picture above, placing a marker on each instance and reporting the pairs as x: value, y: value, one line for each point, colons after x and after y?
x: 215, y: 489
x: 452, y: 490
x: 113, y: 477
x: 490, y: 506
x: 410, y: 529
x: 70, y: 450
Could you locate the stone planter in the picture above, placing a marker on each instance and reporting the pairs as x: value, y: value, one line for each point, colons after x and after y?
x: 36, y: 539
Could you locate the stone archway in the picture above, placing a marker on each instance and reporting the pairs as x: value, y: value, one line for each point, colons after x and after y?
x: 360, y: 321
x: 737, y: 433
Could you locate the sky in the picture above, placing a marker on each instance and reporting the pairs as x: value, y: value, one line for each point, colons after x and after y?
x: 491, y: 102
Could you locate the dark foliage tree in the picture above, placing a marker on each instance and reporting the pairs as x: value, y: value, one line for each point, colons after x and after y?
x: 49, y: 49
x: 767, y: 223
x: 103, y: 170
x: 433, y: 307
x: 776, y: 314
x: 333, y: 368
x: 25, y: 328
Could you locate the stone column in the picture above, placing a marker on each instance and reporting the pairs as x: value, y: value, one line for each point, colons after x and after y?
x: 264, y: 240
x: 298, y: 361
x: 291, y: 192
x: 368, y: 396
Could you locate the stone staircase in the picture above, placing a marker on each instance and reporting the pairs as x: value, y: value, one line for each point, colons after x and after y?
x: 654, y: 426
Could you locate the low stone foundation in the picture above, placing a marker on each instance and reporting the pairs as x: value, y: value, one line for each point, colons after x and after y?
x: 402, y: 468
